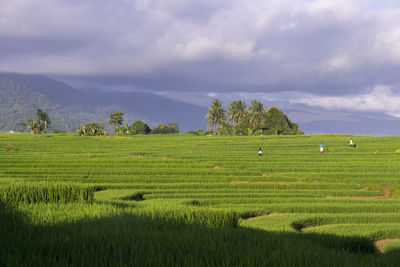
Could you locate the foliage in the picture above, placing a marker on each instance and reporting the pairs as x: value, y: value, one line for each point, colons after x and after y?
x: 256, y: 120
x: 199, y: 132
x: 256, y: 114
x: 43, y: 118
x: 139, y: 127
x: 215, y: 115
x: 22, y: 126
x: 66, y: 106
x: 237, y: 112
x: 279, y: 123
x: 40, y: 125
x: 116, y: 119
x: 170, y: 128
x: 91, y: 129
x: 173, y: 127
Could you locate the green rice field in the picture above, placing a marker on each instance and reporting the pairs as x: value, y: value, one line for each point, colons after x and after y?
x: 181, y: 200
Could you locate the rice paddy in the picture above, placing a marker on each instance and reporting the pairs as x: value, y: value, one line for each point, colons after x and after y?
x: 168, y: 200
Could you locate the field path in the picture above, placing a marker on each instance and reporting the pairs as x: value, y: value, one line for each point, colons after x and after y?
x: 262, y: 182
x: 265, y: 215
x: 381, y: 243
x: 385, y: 194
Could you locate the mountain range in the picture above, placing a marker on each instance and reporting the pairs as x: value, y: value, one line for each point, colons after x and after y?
x: 68, y: 107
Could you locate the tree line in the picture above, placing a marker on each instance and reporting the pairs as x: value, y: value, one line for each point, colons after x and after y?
x: 121, y: 127
x: 235, y: 119
x: 239, y: 119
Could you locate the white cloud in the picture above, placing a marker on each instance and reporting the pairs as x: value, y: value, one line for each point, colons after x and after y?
x: 381, y: 99
x: 300, y: 45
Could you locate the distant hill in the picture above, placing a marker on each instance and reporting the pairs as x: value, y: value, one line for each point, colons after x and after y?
x: 68, y: 107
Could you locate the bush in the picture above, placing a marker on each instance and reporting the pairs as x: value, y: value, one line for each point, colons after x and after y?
x: 92, y: 129
x: 197, y: 132
x: 171, y: 127
x: 139, y: 127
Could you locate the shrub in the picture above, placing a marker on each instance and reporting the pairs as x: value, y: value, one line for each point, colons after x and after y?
x: 9, y: 148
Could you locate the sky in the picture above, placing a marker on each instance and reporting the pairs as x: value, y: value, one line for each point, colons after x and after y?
x: 335, y: 55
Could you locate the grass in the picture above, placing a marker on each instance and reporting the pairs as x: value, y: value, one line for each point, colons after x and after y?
x: 194, y: 200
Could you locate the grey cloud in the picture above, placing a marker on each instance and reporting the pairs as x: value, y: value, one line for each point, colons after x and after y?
x: 321, y: 47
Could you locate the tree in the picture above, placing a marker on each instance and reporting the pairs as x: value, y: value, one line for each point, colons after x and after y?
x: 41, y: 124
x: 256, y: 114
x: 43, y: 118
x: 116, y: 119
x: 172, y: 127
x: 216, y: 115
x: 91, y: 129
x: 22, y: 126
x: 139, y: 127
x: 237, y: 112
x: 279, y: 123
x: 160, y: 129
x: 34, y: 126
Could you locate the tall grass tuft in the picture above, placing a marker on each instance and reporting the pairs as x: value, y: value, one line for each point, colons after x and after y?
x: 45, y: 192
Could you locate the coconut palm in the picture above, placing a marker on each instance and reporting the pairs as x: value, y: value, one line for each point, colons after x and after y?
x: 256, y: 113
x: 237, y: 112
x: 34, y: 126
x: 215, y: 115
x: 116, y: 119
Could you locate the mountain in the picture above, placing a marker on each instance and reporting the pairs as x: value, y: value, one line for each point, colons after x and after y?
x: 21, y: 95
x: 315, y: 120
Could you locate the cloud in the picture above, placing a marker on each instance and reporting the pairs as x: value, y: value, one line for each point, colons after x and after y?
x: 321, y: 47
x: 384, y: 99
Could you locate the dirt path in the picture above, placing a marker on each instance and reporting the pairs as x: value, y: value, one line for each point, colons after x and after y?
x: 381, y: 243
x: 264, y: 182
x: 385, y: 194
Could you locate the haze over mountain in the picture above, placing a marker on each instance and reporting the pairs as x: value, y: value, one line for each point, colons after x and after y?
x: 68, y: 107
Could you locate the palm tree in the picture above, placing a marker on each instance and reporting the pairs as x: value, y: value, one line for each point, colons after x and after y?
x: 256, y: 113
x: 116, y: 119
x: 215, y: 115
x: 34, y: 126
x: 237, y: 112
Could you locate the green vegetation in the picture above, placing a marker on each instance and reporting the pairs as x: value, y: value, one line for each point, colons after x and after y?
x: 157, y: 200
x: 256, y: 120
x: 45, y: 192
x: 92, y: 129
x: 117, y: 120
x: 139, y: 127
x: 19, y: 102
x: 41, y: 124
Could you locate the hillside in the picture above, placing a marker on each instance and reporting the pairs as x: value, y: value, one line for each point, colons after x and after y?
x: 68, y: 107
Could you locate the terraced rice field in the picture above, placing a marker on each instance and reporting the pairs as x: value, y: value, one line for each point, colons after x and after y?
x: 200, y: 201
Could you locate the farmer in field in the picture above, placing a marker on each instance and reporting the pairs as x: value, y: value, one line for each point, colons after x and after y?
x: 321, y: 147
x: 352, y: 143
x: 260, y: 152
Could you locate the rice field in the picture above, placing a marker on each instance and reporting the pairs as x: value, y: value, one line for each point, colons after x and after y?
x: 168, y: 200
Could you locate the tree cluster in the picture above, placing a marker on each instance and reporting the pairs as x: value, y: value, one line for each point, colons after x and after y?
x: 38, y: 126
x: 238, y: 119
x: 139, y: 127
x: 92, y: 129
